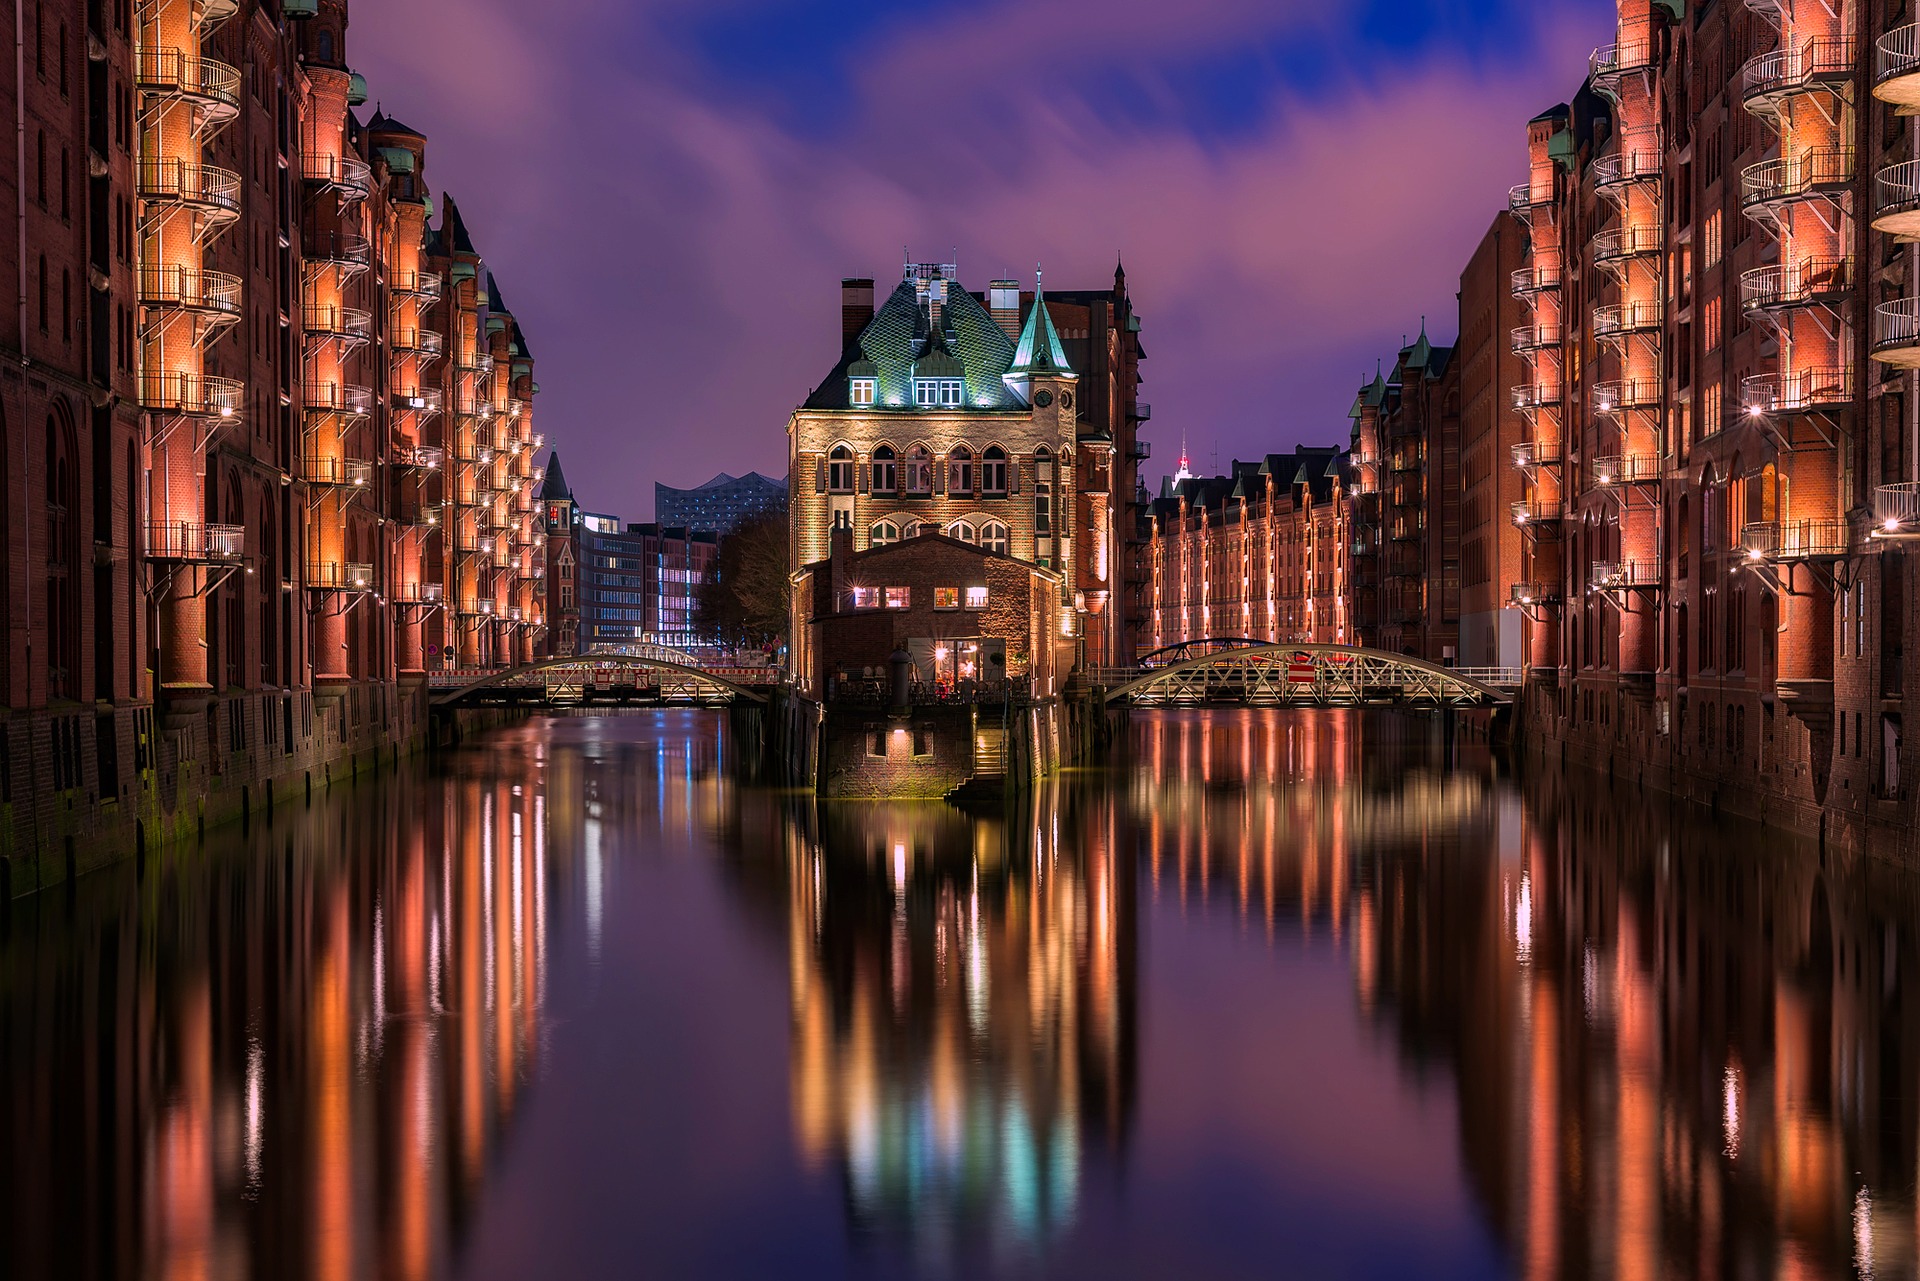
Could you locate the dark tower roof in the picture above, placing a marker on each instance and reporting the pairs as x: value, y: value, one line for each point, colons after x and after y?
x: 554, y: 488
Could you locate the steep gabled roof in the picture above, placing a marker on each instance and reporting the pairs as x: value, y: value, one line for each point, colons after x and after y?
x: 554, y: 487
x: 384, y: 123
x: 1039, y: 350
x: 898, y: 338
x: 454, y: 227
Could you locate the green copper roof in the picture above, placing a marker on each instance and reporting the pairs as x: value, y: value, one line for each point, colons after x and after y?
x: 896, y: 343
x: 1039, y: 350
x: 1678, y: 8
x: 399, y: 159
x: 1421, y: 351
x: 356, y: 90
x: 1374, y: 394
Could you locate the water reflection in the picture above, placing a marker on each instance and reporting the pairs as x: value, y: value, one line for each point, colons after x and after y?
x: 1278, y: 992
x: 962, y: 1002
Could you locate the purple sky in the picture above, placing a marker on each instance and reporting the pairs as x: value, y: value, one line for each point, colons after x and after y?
x: 670, y: 190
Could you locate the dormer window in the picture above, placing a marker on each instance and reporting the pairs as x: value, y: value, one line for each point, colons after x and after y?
x: 861, y: 391
x: 929, y: 393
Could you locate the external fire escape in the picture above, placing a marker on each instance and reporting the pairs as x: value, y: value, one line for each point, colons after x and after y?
x: 1540, y: 344
x: 1896, y: 211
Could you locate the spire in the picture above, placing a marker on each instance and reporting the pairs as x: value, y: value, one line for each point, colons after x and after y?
x: 1185, y: 470
x: 554, y: 487
x: 1039, y: 350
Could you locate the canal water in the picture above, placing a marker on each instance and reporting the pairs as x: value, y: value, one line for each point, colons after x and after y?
x: 1272, y: 995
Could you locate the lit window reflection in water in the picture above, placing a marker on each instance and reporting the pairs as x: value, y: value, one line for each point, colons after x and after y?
x: 1278, y: 992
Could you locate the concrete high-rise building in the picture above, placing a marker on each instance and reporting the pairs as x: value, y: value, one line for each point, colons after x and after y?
x: 229, y: 365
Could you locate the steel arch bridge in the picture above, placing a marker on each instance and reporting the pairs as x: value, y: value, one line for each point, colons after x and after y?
x: 1265, y: 675
x: 641, y: 678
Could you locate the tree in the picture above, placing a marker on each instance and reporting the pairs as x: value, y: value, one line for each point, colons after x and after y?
x: 745, y: 601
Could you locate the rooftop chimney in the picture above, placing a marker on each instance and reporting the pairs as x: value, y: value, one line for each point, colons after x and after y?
x: 856, y: 309
x: 1003, y: 304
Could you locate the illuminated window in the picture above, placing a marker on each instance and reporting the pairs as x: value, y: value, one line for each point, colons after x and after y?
x: 960, y: 470
x: 860, y: 391
x: 946, y: 598
x: 883, y: 532
x: 866, y: 598
x: 993, y: 472
x: 919, y: 472
x: 964, y: 532
x: 926, y: 392
x: 899, y: 597
x: 840, y: 470
x: 994, y: 537
x: 976, y: 598
x: 949, y: 391
x: 886, y: 472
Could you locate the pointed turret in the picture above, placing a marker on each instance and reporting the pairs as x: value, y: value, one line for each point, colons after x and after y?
x: 1039, y: 353
x: 554, y: 488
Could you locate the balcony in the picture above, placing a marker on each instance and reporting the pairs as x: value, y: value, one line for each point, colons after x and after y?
x: 1528, y: 338
x: 1531, y: 454
x: 1795, y: 540
x: 192, y: 543
x: 1896, y: 200
x: 1140, y: 450
x: 1626, y: 318
x: 1896, y: 70
x: 1530, y: 396
x: 424, y: 285
x: 196, y: 394
x: 1896, y: 333
x: 1626, y: 469
x: 348, y: 176
x: 1622, y: 244
x: 1818, y: 62
x: 341, y: 250
x: 1619, y: 169
x: 420, y: 457
x: 477, y: 607
x: 351, y: 473
x: 421, y: 594
x: 347, y: 325
x: 208, y: 190
x: 471, y: 451
x: 1786, y: 286
x: 418, y: 400
x: 1624, y: 575
x: 210, y: 88
x: 1821, y: 172
x: 339, y: 576
x: 1539, y: 513
x: 211, y: 295
x: 1609, y: 64
x: 426, y: 344
x: 337, y: 398
x: 1533, y: 595
x: 1801, y: 391
x: 1626, y: 395
x: 479, y: 362
x: 1529, y: 281
x: 1896, y: 509
x: 422, y: 515
x: 1142, y: 411
x: 1527, y: 203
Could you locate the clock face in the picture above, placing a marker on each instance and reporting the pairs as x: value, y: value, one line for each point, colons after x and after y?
x: 1042, y: 399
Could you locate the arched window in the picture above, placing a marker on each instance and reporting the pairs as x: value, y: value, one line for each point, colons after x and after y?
x: 913, y: 529
x: 886, y: 471
x: 919, y: 472
x: 1043, y: 463
x: 961, y: 530
x: 993, y: 472
x: 63, y: 602
x: 840, y: 470
x: 960, y: 470
x: 882, y: 533
x: 994, y: 537
x: 324, y: 46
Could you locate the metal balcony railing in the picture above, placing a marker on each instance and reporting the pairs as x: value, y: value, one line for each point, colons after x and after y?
x: 1896, y: 207
x: 421, y: 593
x: 1536, y: 512
x: 1625, y: 395
x: 1632, y: 241
x: 1795, y: 539
x: 422, y: 515
x: 345, y: 576
x: 192, y: 289
x: 354, y: 473
x: 1795, y: 284
x: 1142, y: 411
x: 1612, y: 575
x: 1626, y: 318
x: 212, y: 87
x: 478, y: 607
x: 1533, y: 280
x: 413, y: 340
x: 329, y: 321
x: 1536, y: 396
x: 1896, y: 55
x: 197, y: 394
x: 1527, y: 202
x: 337, y: 249
x: 1529, y: 594
x: 208, y: 188
x: 349, y: 175
x: 424, y: 285
x: 1529, y: 454
x: 422, y: 457
x: 1620, y: 168
x: 1896, y: 328
x: 421, y: 400
x: 1626, y: 469
x: 191, y: 542
x: 1797, y: 391
x: 1534, y: 337
x: 1139, y: 450
x: 1797, y: 68
x: 1897, y: 507
x: 1821, y: 170
x: 1609, y: 62
x: 337, y: 398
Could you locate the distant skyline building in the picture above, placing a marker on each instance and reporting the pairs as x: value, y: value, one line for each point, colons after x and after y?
x: 721, y: 504
x: 638, y: 583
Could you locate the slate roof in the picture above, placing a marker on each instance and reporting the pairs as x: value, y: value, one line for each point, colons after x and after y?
x: 897, y: 341
x: 555, y: 485
x: 454, y: 228
x: 384, y: 123
x: 1318, y: 467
